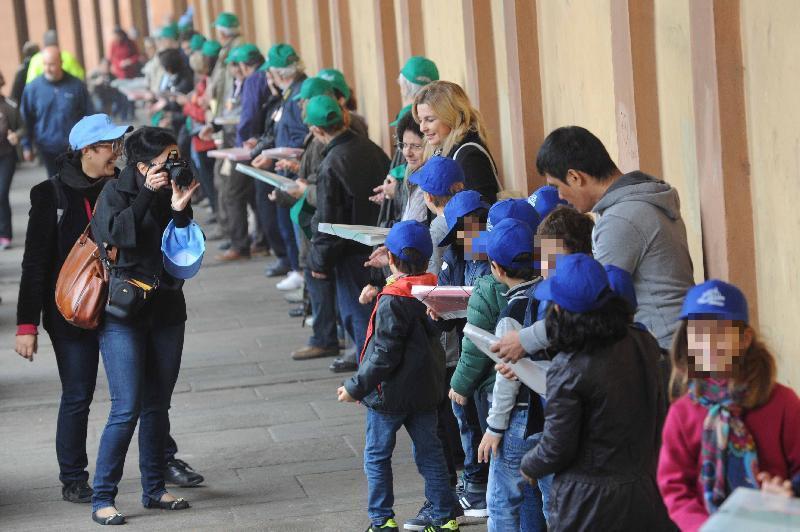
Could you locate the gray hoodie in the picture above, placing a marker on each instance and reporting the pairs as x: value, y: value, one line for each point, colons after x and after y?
x: 639, y: 228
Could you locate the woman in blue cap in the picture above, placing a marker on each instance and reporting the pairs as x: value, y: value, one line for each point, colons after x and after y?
x: 604, y: 410
x: 61, y: 208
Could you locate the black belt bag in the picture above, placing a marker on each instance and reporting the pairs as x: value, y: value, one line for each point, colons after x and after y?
x: 127, y: 295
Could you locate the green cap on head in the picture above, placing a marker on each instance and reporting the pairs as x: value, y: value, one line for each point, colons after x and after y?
x: 314, y: 87
x: 227, y: 20
x: 170, y: 31
x: 322, y: 111
x: 405, y: 110
x: 242, y: 53
x: 282, y: 55
x: 196, y: 42
x: 337, y: 79
x: 420, y: 70
x: 211, y: 48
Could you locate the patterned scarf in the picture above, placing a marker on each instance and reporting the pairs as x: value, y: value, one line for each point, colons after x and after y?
x: 728, y: 451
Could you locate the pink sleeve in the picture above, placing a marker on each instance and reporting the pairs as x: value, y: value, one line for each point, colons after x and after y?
x: 678, y: 472
x: 791, y: 432
x: 27, y: 328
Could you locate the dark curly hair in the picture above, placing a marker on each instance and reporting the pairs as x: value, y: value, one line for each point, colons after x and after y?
x: 569, y: 225
x: 572, y: 332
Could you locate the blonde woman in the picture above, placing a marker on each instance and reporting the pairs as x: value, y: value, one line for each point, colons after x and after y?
x: 454, y: 129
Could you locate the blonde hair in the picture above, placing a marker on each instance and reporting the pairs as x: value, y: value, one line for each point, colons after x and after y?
x: 452, y: 106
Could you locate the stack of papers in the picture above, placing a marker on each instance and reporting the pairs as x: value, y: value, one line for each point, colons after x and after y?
x: 226, y: 120
x: 449, y: 302
x: 755, y: 511
x: 364, y: 234
x: 233, y: 154
x: 532, y: 373
x: 283, y: 153
x: 277, y: 181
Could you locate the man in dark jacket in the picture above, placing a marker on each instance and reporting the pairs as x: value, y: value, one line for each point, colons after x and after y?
x: 352, y: 166
x: 400, y: 382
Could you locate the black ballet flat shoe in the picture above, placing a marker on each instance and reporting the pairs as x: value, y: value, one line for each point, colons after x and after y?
x: 177, y: 504
x: 114, y: 519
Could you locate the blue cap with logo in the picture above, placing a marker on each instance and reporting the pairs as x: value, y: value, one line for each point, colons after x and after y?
x: 545, y: 199
x: 437, y: 175
x: 460, y: 205
x: 518, y: 209
x: 715, y: 299
x: 622, y: 284
x: 580, y: 284
x: 182, y: 250
x: 410, y: 234
x: 507, y: 240
x: 93, y: 129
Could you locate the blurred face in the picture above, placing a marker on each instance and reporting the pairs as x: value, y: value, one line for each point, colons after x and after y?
x: 714, y: 346
x: 412, y: 149
x: 99, y: 160
x: 434, y: 130
x: 472, y: 228
x: 51, y: 60
x: 549, y: 249
x: 577, y: 190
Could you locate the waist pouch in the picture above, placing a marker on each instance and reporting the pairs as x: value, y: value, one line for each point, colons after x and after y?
x: 127, y: 295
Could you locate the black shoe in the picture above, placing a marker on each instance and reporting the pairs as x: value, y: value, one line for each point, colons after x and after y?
x: 180, y: 473
x: 113, y: 519
x: 424, y: 518
x: 77, y: 491
x: 177, y: 504
x: 473, y: 502
x: 277, y: 269
x: 297, y: 312
x: 342, y: 366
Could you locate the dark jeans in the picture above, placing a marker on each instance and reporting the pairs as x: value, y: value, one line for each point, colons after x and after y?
x: 380, y: 441
x: 351, y: 278
x: 8, y: 164
x: 469, y: 424
x: 236, y: 194
x: 49, y: 162
x: 205, y: 175
x: 447, y: 430
x: 286, y: 228
x: 322, y: 293
x: 267, y: 214
x: 142, y: 363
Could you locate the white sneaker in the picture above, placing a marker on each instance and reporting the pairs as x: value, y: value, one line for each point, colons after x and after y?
x: 293, y: 281
x: 310, y: 321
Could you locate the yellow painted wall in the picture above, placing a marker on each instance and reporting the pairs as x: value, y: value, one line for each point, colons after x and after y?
x: 310, y: 49
x: 363, y: 15
x: 772, y: 73
x: 676, y: 116
x: 443, y: 22
x: 576, y: 67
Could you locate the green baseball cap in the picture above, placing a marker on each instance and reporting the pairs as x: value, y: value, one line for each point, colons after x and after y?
x: 196, y: 42
x: 337, y: 79
x: 282, y: 55
x: 322, y: 111
x: 211, y: 48
x: 169, y: 31
x: 242, y: 53
x: 401, y: 114
x: 420, y: 70
x: 314, y: 87
x: 227, y: 20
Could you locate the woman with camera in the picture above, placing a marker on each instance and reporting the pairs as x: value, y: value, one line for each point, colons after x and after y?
x: 141, y: 339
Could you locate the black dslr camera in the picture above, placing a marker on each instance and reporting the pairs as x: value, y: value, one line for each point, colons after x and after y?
x: 178, y: 170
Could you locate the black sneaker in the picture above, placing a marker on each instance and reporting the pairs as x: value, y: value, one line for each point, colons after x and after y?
x: 388, y: 525
x: 474, y: 504
x: 450, y: 525
x: 424, y: 518
x: 181, y: 474
x: 77, y: 491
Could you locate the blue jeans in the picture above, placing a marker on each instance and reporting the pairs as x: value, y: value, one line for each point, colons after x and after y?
x: 469, y: 425
x: 205, y: 175
x: 286, y: 228
x: 49, y: 162
x: 267, y: 215
x: 322, y: 293
x: 77, y: 360
x: 513, y: 503
x: 351, y: 278
x: 142, y: 363
x: 428, y: 455
x: 544, y: 484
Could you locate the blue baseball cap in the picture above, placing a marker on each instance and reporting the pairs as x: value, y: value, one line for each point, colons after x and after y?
x: 717, y: 299
x: 545, y: 199
x: 182, y: 250
x: 95, y: 128
x: 518, y: 209
x: 621, y: 283
x: 580, y: 284
x: 507, y: 240
x: 437, y: 175
x: 460, y: 205
x: 410, y: 234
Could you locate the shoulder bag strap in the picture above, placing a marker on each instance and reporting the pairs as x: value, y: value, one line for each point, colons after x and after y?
x: 488, y: 156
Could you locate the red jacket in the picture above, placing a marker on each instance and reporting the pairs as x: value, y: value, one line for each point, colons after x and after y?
x: 775, y: 427
x: 119, y: 51
x: 198, y: 115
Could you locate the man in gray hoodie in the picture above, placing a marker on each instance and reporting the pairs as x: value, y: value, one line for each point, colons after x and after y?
x: 638, y: 228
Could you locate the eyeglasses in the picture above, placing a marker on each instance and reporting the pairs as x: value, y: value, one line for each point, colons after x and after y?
x: 415, y: 147
x: 116, y: 145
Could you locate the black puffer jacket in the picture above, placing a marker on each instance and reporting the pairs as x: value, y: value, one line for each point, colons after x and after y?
x: 480, y: 172
x: 132, y: 218
x: 602, y: 434
x: 351, y: 167
x: 402, y: 367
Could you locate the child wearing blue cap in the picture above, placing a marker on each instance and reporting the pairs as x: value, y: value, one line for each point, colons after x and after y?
x: 604, y: 409
x: 723, y: 384
x: 545, y: 199
x: 400, y: 380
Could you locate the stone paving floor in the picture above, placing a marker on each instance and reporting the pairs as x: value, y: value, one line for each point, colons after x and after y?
x: 277, y: 450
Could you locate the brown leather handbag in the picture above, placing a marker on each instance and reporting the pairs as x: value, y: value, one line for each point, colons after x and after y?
x: 82, y: 285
